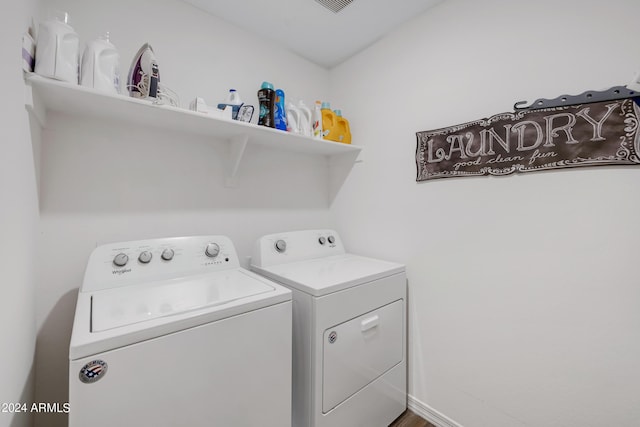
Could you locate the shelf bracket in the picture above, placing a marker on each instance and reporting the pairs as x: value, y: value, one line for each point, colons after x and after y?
x: 340, y: 166
x: 235, y: 150
x: 34, y: 106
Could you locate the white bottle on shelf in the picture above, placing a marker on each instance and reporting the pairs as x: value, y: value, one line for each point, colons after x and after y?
x: 305, y: 119
x: 293, y: 118
x: 234, y: 101
x: 57, y: 49
x: 317, y: 120
x: 100, y: 66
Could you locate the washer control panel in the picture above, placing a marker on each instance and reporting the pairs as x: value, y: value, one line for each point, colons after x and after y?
x: 293, y: 246
x: 125, y: 263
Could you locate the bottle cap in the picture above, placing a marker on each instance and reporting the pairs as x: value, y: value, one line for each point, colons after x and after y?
x: 266, y: 85
x: 338, y: 113
x: 326, y: 105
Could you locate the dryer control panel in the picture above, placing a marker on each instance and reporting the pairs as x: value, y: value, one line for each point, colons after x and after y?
x: 281, y: 248
x: 126, y: 263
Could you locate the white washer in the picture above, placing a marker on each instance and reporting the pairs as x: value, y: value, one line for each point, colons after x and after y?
x: 349, y: 329
x: 172, y: 332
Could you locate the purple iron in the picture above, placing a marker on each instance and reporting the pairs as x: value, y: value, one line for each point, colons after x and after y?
x: 144, y: 75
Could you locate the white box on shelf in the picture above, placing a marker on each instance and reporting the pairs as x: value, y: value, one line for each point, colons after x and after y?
x: 200, y: 106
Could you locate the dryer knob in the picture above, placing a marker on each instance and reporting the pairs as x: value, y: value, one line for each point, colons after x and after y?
x: 281, y: 246
x: 322, y: 240
x: 167, y: 254
x: 212, y: 250
x: 145, y: 257
x: 120, y: 260
x: 331, y: 239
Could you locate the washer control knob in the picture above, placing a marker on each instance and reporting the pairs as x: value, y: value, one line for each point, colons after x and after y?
x: 145, y: 257
x: 212, y: 250
x: 281, y: 246
x: 331, y: 239
x: 167, y: 254
x: 120, y: 260
x: 322, y: 240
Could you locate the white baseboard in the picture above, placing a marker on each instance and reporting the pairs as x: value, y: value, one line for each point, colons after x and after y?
x: 428, y: 413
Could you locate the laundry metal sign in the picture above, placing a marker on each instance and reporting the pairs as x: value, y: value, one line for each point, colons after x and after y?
x: 602, y: 133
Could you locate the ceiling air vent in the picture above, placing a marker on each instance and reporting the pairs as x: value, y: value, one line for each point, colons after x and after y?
x: 335, y: 6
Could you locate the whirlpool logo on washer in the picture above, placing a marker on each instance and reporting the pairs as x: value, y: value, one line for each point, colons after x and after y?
x: 333, y: 337
x: 93, y: 371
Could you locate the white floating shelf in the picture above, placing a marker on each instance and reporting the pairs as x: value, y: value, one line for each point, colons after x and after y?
x: 45, y: 95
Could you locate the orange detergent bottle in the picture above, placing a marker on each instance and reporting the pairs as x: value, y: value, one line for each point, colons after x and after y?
x: 342, y: 128
x: 328, y: 122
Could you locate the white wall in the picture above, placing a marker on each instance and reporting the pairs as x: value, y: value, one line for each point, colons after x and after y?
x: 105, y: 182
x: 523, y: 289
x: 18, y: 222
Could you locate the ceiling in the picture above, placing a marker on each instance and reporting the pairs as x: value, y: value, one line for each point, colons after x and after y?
x: 313, y: 31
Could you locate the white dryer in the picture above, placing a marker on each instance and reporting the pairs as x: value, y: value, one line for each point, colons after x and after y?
x: 349, y: 329
x: 172, y: 332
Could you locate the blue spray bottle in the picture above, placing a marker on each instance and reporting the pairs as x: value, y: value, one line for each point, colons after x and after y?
x: 279, y: 113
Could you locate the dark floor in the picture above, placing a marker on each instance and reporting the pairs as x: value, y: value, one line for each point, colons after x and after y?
x: 409, y: 419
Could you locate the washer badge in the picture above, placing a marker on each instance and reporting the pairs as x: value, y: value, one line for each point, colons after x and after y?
x: 93, y: 371
x: 333, y: 337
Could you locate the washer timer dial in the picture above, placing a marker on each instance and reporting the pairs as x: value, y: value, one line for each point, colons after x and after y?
x: 145, y: 257
x: 281, y: 246
x: 212, y: 250
x: 120, y: 260
x: 167, y: 254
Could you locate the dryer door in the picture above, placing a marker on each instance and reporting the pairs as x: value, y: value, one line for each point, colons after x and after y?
x: 358, y: 351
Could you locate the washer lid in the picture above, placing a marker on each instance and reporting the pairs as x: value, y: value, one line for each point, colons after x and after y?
x: 113, y: 318
x: 118, y: 307
x: 325, y: 275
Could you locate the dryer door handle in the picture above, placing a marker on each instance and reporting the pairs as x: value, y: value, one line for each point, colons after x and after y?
x: 369, y: 323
